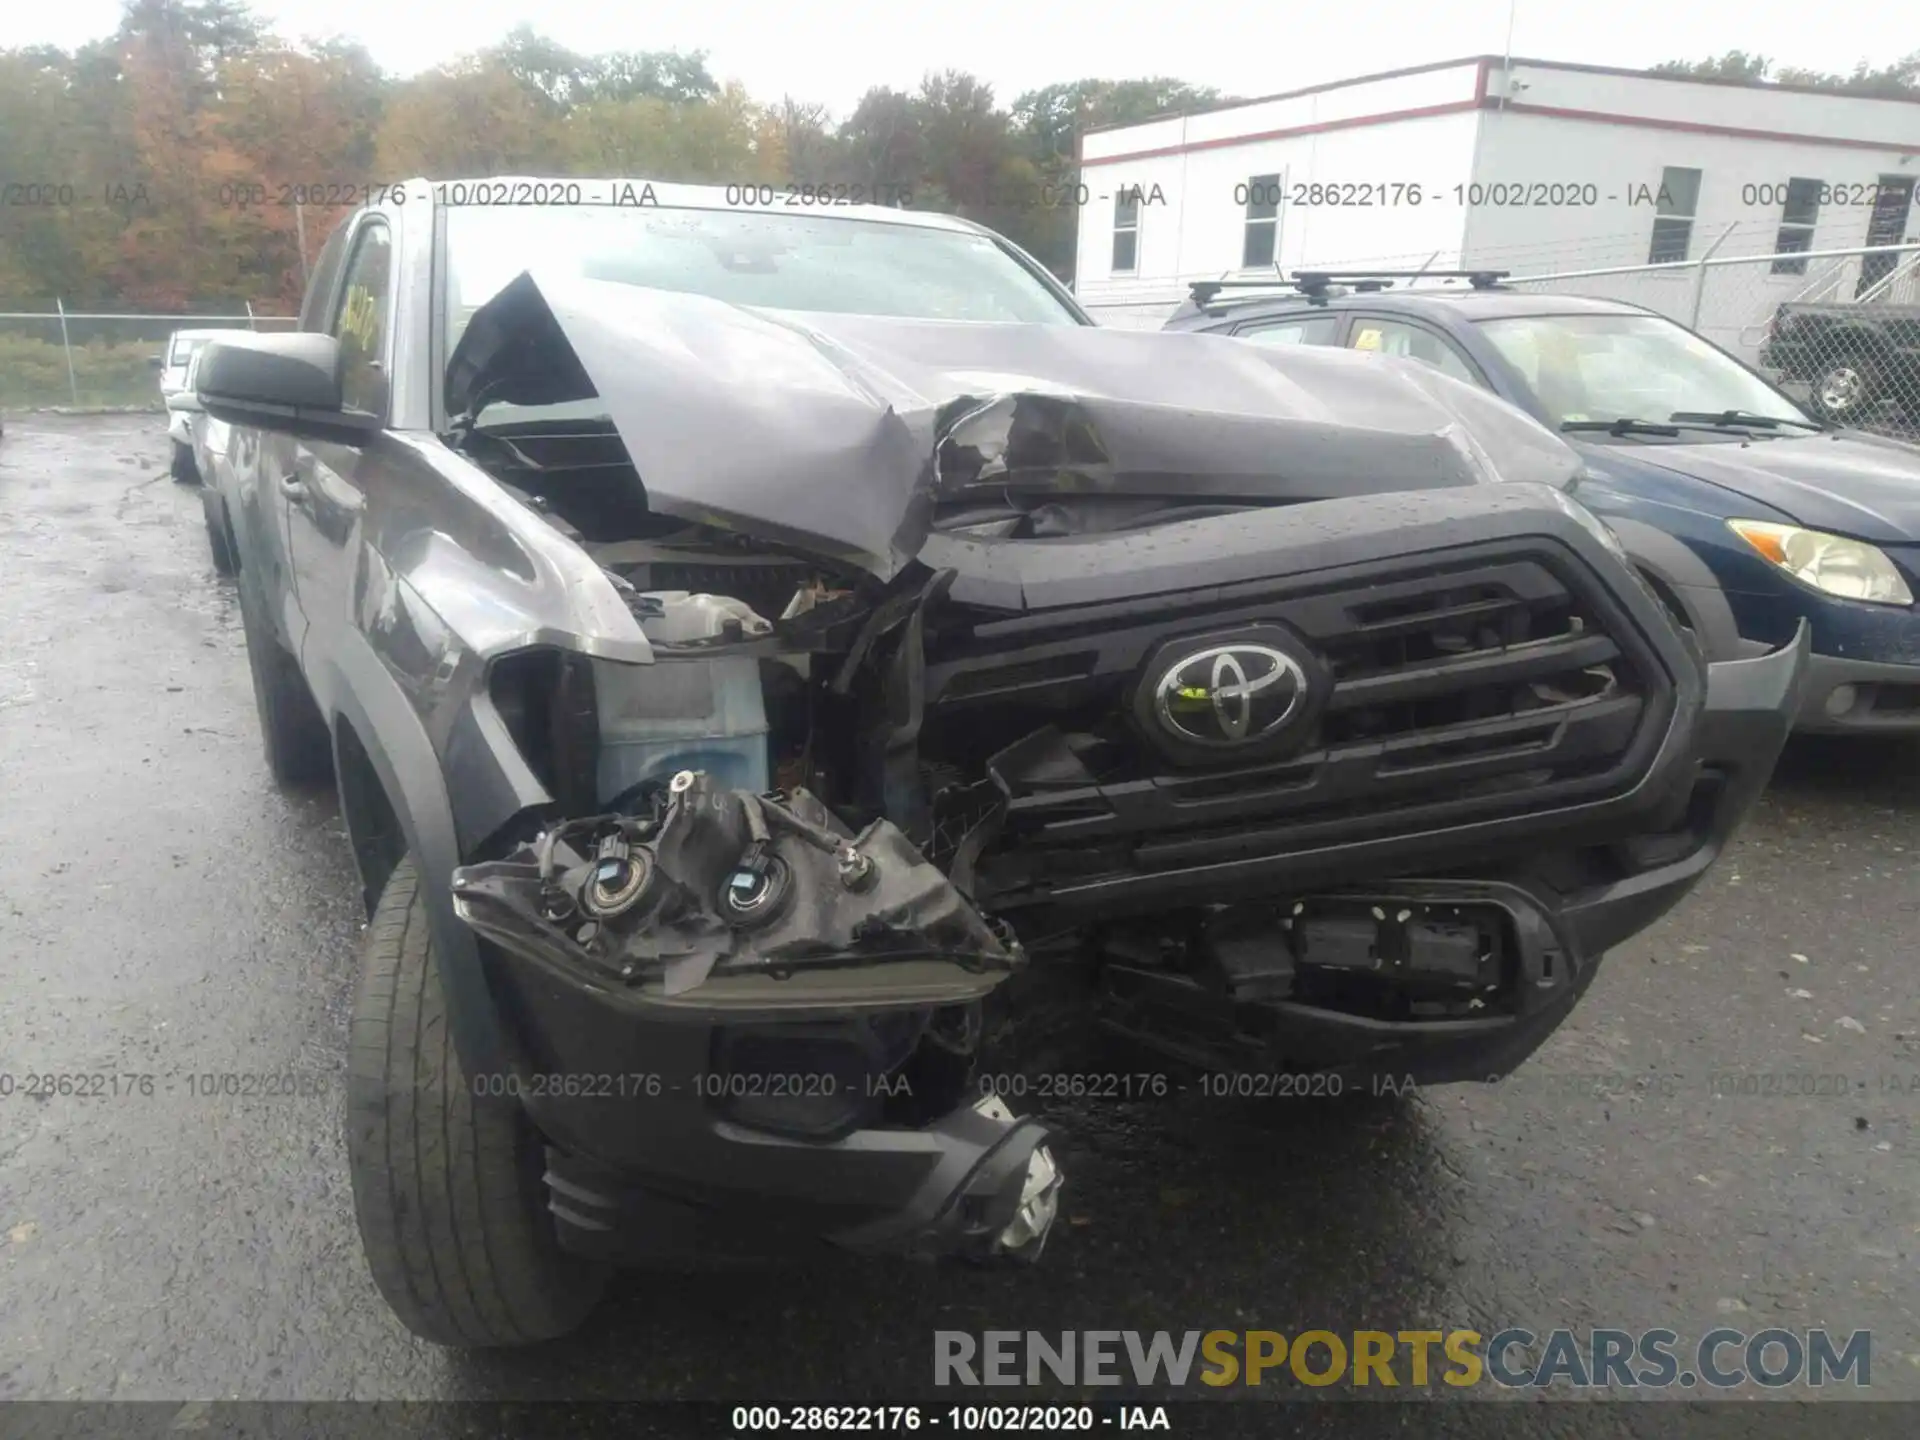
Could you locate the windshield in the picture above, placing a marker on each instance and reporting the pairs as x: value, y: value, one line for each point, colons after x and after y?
x: 183, y: 351
x: 781, y: 262
x: 1644, y: 367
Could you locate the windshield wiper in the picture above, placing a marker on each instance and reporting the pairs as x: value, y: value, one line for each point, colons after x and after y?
x: 1742, y: 418
x: 1625, y: 425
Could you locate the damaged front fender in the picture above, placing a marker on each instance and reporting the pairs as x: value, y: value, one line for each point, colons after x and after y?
x: 719, y: 908
x: 716, y: 902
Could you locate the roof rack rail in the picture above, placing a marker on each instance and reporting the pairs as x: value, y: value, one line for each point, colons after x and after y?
x: 1382, y: 279
x: 1318, y: 282
x: 1203, y: 291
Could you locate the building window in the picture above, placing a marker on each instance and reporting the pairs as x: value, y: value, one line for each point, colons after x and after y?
x: 1126, y: 231
x: 1263, y: 222
x: 1797, y: 219
x: 1673, y: 214
x: 1885, y: 225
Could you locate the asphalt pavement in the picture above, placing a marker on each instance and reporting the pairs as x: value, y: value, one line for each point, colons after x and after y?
x: 166, y: 912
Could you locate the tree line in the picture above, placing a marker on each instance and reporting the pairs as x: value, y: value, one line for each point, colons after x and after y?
x: 158, y: 167
x: 1896, y: 80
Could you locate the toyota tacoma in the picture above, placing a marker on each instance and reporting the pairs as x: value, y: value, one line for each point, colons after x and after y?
x: 759, y: 650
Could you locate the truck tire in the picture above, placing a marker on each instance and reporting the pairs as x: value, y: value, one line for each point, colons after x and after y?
x: 447, y: 1185
x: 1844, y: 388
x: 182, y: 468
x: 217, y: 541
x: 293, y: 735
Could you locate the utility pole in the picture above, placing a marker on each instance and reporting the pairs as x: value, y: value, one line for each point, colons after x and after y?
x: 300, y: 235
x: 1506, y: 58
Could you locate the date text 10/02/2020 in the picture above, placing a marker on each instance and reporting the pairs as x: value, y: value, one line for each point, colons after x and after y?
x: 961, y: 1419
x: 1377, y: 194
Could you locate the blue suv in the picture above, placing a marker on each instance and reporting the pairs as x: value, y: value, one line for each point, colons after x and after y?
x: 1743, y: 511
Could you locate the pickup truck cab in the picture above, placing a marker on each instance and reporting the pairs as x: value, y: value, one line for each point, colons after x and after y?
x: 760, y: 650
x: 1853, y: 358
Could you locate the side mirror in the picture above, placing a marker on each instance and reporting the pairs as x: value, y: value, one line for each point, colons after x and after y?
x: 288, y: 383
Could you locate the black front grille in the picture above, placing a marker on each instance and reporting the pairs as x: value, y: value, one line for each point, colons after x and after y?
x: 1501, y: 684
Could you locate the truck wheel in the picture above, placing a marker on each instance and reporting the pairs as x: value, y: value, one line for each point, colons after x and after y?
x: 183, y: 469
x: 447, y: 1185
x: 217, y: 532
x: 1844, y: 388
x: 298, y: 747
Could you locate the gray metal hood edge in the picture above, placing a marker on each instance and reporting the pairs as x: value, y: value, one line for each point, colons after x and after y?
x: 838, y: 433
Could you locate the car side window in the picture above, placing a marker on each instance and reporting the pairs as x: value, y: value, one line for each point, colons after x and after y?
x: 360, y: 322
x: 1391, y: 337
x: 1295, y: 330
x: 326, y: 270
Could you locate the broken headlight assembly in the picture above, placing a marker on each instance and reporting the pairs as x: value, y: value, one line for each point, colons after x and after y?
x: 725, y: 901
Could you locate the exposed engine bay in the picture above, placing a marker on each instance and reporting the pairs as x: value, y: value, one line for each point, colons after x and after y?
x: 1022, y: 620
x: 816, y: 796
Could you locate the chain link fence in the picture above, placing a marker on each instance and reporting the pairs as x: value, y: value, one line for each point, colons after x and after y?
x: 53, y: 357
x: 1839, y: 330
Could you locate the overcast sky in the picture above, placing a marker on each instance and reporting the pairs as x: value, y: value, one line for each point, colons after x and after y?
x: 832, y: 53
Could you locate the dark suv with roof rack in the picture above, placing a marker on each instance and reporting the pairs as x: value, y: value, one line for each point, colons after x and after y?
x: 1744, y: 512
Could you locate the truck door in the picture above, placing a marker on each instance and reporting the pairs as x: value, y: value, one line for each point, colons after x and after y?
x: 325, y: 488
x: 257, y: 464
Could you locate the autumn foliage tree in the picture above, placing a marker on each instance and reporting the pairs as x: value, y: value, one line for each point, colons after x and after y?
x: 194, y: 158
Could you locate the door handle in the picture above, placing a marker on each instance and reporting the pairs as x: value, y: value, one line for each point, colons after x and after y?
x: 293, y: 487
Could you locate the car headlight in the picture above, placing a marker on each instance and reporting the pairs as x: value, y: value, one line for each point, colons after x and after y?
x: 1851, y: 569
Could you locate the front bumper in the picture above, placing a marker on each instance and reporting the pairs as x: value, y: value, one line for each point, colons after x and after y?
x: 645, y: 1164
x: 957, y: 1187
x: 1560, y: 931
x: 179, y: 427
x: 1859, y: 697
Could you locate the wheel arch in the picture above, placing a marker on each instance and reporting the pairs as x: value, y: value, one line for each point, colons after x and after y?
x: 1682, y: 581
x: 394, y: 801
x: 226, y: 528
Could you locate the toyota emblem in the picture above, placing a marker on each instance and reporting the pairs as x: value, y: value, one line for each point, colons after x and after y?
x: 1228, y: 695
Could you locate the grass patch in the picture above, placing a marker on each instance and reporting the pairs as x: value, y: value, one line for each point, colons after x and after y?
x: 34, y: 372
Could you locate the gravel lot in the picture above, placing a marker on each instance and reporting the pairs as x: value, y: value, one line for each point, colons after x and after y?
x: 164, y: 910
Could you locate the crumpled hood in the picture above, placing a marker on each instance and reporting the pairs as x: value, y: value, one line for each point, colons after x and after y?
x: 838, y: 432
x: 1849, y: 484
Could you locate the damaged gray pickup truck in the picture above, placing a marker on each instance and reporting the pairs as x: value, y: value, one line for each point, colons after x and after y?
x: 763, y: 651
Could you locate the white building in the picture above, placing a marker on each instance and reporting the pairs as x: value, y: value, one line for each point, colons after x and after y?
x: 1523, y: 165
